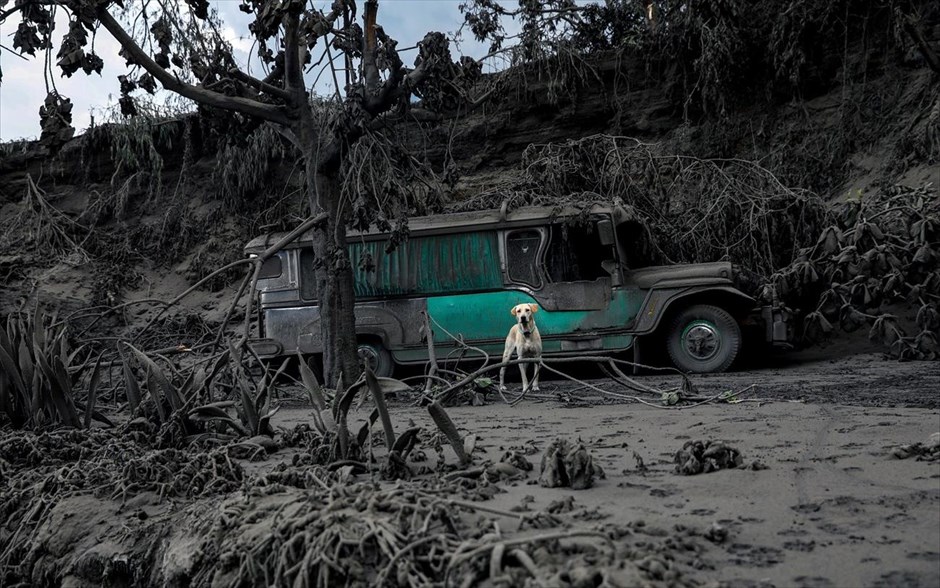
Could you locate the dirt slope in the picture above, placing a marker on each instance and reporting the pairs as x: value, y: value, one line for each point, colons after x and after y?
x: 159, y: 204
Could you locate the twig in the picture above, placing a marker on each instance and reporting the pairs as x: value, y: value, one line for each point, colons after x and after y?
x: 432, y: 358
x: 459, y: 557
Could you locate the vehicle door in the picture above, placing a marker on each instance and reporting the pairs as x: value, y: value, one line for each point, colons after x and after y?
x: 577, y: 284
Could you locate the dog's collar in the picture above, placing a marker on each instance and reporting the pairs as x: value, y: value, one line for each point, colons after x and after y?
x: 526, y: 333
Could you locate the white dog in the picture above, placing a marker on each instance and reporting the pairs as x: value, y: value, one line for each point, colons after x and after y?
x: 525, y: 341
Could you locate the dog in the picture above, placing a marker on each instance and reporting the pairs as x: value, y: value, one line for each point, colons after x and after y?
x: 523, y: 340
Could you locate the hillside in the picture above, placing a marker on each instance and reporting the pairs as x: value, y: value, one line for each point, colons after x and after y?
x: 143, y: 210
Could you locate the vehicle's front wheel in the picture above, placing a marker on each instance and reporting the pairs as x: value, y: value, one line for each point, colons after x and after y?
x: 379, y: 358
x: 703, y: 338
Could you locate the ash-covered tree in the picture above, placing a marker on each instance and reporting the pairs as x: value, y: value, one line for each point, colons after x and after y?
x: 715, y: 54
x: 179, y: 45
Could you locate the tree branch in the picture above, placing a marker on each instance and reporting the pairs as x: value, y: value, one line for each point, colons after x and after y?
x: 172, y: 83
x: 398, y: 84
x: 259, y: 85
x: 293, y: 72
x: 370, y: 70
x: 416, y: 114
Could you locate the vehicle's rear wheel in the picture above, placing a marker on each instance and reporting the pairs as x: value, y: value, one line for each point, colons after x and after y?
x: 703, y: 338
x: 380, y: 360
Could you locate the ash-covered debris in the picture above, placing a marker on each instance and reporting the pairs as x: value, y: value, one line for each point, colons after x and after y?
x: 697, y: 457
x: 929, y: 450
x: 517, y: 459
x: 568, y: 465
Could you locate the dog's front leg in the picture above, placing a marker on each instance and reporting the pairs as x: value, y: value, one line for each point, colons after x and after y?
x: 535, y: 376
x: 507, y: 353
x: 525, y: 380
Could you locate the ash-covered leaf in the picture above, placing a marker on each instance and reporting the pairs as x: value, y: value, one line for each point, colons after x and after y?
x: 867, y: 230
x: 925, y: 255
x: 885, y: 330
x: 26, y: 40
x: 127, y: 84
x: 928, y: 318
x: 128, y: 106
x: 927, y: 346
x: 830, y: 241
x: 850, y: 319
x: 200, y: 8
x: 816, y: 327
x: 147, y: 82
x: 55, y: 117
x: 92, y: 63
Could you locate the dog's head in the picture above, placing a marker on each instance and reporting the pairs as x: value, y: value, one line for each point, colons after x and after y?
x: 523, y: 314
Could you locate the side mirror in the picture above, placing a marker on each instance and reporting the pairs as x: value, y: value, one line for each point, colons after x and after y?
x: 605, y: 230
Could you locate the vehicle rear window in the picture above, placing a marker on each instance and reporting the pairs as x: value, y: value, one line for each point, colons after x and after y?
x: 271, y: 268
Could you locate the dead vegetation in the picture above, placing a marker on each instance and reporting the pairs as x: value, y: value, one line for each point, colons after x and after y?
x: 319, y: 524
x: 697, y: 457
x: 359, y: 505
x: 880, y: 252
x: 188, y: 433
x: 688, y: 209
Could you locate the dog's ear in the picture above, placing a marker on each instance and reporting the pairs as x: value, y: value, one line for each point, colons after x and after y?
x: 534, y: 307
x: 512, y: 310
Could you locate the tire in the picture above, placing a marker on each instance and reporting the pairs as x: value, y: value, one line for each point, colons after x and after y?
x: 703, y: 339
x: 380, y: 360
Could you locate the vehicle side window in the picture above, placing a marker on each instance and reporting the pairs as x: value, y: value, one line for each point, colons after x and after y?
x: 575, y: 254
x: 308, y: 280
x: 522, y: 256
x: 452, y: 262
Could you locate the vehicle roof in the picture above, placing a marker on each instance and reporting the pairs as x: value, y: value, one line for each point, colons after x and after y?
x: 442, y: 223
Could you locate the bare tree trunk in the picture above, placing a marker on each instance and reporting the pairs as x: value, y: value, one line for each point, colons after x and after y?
x: 333, y: 272
x: 335, y: 288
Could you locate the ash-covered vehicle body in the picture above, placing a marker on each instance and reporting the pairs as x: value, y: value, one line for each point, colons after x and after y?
x: 467, y: 270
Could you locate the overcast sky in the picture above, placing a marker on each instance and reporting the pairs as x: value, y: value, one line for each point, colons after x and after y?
x: 23, y: 87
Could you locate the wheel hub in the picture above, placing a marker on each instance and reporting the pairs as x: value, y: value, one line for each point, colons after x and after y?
x: 368, y: 354
x: 701, y: 340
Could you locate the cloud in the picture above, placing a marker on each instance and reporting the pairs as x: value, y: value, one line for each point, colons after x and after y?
x: 241, y: 43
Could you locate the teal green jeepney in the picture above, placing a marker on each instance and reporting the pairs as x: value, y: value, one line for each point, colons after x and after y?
x: 467, y: 270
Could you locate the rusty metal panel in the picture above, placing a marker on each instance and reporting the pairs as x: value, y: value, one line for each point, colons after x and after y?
x: 295, y: 328
x: 438, y: 264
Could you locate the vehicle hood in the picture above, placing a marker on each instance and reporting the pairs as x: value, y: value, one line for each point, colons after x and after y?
x: 674, y: 276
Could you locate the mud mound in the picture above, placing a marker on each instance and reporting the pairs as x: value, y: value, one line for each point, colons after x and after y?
x: 926, y: 451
